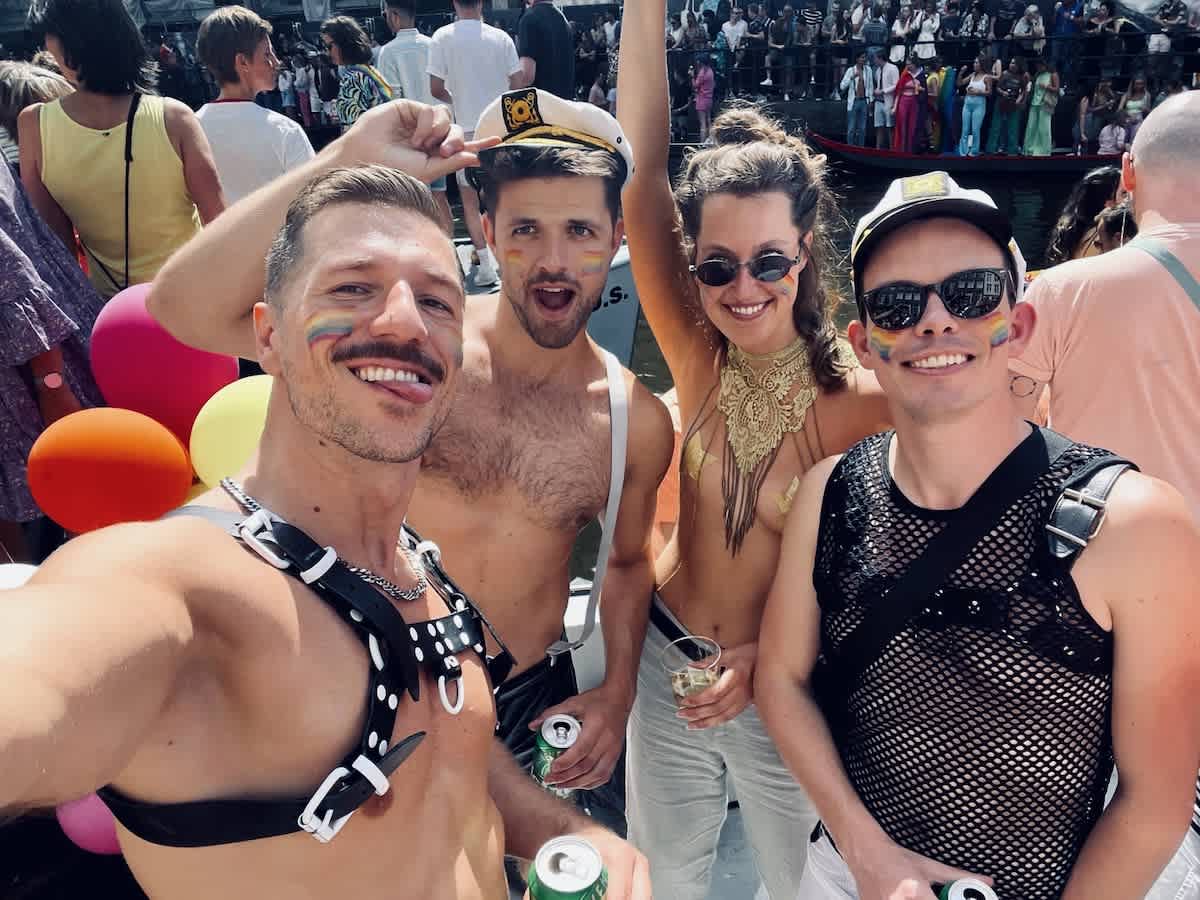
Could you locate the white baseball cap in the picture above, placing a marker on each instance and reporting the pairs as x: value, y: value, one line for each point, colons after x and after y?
x: 928, y: 196
x: 537, y: 118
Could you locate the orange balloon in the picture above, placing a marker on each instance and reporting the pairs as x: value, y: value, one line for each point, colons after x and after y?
x: 99, y: 467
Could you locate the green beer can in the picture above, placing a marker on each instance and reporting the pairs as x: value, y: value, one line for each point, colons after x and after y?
x: 967, y: 889
x: 567, y: 868
x: 556, y: 736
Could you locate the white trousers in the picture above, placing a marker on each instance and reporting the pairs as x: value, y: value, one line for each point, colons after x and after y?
x: 1180, y: 880
x: 677, y: 786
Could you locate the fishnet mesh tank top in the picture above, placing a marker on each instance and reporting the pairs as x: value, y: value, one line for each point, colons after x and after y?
x: 980, y: 737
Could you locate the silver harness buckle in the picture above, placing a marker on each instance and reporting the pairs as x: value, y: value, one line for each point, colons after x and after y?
x: 1083, y: 498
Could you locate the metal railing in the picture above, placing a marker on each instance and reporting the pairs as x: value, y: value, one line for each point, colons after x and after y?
x: 814, y: 70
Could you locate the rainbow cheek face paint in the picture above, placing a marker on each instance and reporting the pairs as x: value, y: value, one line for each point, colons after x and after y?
x: 328, y: 325
x: 786, y: 286
x: 594, y: 262
x: 514, y: 258
x: 997, y: 324
x: 883, y: 342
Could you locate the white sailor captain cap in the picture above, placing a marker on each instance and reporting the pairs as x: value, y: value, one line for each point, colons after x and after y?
x: 933, y: 195
x: 535, y: 118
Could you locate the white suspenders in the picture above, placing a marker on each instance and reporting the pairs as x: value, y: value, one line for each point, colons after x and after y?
x: 618, y: 406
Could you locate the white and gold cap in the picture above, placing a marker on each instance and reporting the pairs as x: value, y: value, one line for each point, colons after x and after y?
x: 933, y: 195
x: 535, y: 118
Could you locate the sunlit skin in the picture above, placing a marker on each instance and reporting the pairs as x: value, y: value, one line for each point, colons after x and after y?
x: 739, y: 229
x: 260, y: 72
x: 930, y: 251
x: 373, y: 299
x: 555, y: 245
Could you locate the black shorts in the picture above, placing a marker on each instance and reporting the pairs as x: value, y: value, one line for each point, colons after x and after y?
x: 523, y: 698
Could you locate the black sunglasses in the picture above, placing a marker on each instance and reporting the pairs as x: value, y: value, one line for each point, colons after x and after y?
x: 718, y: 272
x: 969, y: 294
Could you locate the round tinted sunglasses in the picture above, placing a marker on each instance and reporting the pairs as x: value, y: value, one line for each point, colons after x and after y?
x: 718, y: 272
x: 969, y: 294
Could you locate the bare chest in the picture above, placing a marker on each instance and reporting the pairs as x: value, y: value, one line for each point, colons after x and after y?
x: 548, y: 445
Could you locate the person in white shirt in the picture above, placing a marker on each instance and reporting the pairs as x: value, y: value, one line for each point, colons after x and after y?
x: 927, y: 23
x: 1114, y: 136
x: 859, y: 17
x: 251, y: 145
x: 735, y: 29
x: 470, y: 65
x: 858, y: 86
x: 887, y: 76
x: 287, y: 90
x: 404, y: 62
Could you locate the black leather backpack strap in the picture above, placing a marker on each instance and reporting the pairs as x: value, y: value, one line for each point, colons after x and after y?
x: 1078, y: 514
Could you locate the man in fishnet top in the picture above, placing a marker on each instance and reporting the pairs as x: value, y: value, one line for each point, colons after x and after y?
x: 975, y: 736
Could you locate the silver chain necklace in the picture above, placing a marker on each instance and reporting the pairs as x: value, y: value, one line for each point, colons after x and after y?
x: 402, y: 595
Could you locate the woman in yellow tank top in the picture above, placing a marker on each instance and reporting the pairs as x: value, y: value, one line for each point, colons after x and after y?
x: 73, y: 150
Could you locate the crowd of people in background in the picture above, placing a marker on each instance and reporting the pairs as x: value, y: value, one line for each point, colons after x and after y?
x: 921, y: 76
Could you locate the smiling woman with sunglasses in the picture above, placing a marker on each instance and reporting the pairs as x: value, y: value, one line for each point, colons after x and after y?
x: 729, y: 271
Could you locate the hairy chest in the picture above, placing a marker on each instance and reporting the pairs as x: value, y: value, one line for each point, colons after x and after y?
x: 548, y: 444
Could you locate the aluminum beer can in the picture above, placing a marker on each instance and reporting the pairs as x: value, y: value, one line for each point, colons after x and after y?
x: 967, y: 889
x: 557, y: 735
x: 568, y: 868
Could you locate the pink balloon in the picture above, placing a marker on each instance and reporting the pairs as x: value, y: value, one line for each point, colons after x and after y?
x: 89, y: 825
x: 138, y: 365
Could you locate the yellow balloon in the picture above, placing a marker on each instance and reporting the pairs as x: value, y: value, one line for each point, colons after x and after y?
x: 226, y: 432
x: 198, y: 489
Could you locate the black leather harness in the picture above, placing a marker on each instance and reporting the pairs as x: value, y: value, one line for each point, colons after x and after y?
x: 398, y: 650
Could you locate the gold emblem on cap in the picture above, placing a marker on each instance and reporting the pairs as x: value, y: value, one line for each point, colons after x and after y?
x: 521, y: 111
x: 917, y: 187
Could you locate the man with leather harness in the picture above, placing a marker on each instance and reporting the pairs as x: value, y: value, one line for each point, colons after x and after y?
x: 208, y: 670
x: 547, y: 430
x: 955, y: 650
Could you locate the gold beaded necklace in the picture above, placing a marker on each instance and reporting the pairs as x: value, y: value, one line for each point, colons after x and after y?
x: 760, y: 406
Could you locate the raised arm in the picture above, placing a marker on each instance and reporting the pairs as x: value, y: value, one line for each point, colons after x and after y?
x: 656, y: 249
x: 86, y: 665
x: 789, y: 644
x: 205, y: 293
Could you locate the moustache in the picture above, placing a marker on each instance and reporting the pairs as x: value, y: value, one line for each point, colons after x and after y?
x: 544, y: 279
x: 406, y: 353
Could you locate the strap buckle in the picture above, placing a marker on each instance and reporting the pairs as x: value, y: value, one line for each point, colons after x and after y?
x: 1090, y: 500
x: 260, y: 523
x: 1086, y: 498
x: 324, y: 827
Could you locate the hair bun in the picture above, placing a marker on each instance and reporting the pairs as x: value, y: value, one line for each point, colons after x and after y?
x: 745, y: 124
